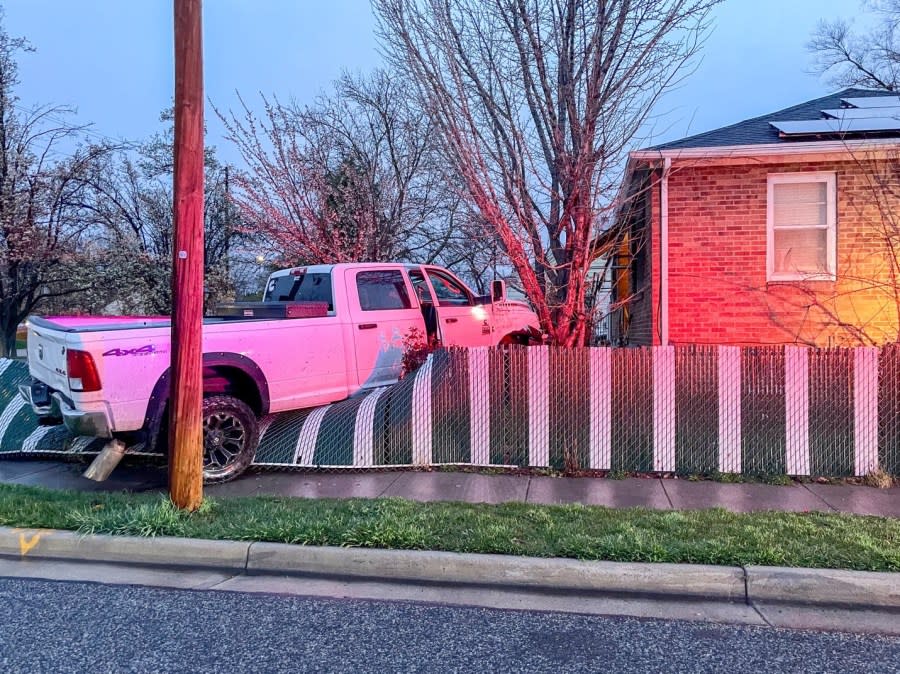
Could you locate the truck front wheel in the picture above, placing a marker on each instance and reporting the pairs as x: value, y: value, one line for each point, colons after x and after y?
x: 230, y: 436
x: 513, y: 339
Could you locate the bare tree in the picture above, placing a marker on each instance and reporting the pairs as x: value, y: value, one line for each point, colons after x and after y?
x: 353, y: 176
x: 131, y: 197
x: 869, y: 59
x: 44, y: 163
x: 536, y: 103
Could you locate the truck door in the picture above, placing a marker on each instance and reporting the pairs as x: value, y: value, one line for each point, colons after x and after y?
x: 426, y: 302
x: 461, y: 321
x: 384, y: 311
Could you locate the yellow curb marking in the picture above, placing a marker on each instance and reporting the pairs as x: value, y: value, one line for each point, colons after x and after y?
x: 27, y: 544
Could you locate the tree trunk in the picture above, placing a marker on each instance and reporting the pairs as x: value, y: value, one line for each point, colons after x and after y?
x: 8, y: 342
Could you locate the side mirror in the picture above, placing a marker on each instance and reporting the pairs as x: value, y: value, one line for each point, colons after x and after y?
x: 498, y: 290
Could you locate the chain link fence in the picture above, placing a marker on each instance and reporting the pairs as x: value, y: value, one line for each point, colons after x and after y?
x: 687, y: 410
x: 20, y: 432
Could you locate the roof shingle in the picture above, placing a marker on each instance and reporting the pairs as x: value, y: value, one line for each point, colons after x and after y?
x: 758, y: 131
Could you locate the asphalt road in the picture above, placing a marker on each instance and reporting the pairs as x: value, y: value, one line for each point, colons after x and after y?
x: 49, y: 626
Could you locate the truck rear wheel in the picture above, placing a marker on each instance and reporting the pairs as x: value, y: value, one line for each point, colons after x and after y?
x: 230, y: 436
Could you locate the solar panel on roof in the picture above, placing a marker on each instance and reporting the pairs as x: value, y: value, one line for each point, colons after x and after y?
x: 872, y: 101
x: 836, y: 126
x: 863, y: 113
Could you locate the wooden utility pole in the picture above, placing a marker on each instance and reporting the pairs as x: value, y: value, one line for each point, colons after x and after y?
x: 185, y: 427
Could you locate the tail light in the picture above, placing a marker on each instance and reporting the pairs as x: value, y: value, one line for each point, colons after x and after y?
x: 83, y: 375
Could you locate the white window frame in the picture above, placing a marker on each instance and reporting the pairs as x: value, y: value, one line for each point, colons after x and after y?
x: 830, y: 180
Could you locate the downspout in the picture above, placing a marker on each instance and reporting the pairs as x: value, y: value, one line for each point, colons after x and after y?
x: 664, y: 254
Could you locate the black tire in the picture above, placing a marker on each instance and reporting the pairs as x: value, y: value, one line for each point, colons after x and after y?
x: 230, y: 436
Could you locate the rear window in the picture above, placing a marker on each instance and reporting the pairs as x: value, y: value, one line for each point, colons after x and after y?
x: 300, y: 288
x: 381, y: 290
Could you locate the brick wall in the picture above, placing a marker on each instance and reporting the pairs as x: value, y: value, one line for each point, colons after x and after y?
x: 718, y: 291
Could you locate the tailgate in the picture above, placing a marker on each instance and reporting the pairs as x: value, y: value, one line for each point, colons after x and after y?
x: 47, y: 357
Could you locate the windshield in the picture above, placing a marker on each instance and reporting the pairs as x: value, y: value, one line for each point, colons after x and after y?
x: 299, y: 288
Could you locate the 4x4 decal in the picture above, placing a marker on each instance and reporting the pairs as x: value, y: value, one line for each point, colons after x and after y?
x: 140, y: 351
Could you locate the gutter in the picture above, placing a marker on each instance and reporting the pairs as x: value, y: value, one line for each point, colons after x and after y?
x: 664, y: 253
x: 787, y: 148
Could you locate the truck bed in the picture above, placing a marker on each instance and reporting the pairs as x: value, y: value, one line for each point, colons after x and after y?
x: 95, y: 323
x: 234, y: 313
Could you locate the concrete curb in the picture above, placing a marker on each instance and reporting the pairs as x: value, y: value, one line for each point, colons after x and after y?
x: 829, y: 587
x: 806, y: 587
x: 506, y: 571
x: 53, y: 544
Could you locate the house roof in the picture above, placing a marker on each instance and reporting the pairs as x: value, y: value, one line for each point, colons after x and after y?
x: 759, y: 130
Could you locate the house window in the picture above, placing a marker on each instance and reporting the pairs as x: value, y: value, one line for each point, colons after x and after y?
x: 802, y: 217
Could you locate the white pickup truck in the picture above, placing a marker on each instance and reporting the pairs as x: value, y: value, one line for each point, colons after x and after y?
x: 339, y: 329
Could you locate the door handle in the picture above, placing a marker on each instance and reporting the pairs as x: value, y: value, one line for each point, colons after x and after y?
x: 367, y: 326
x: 451, y: 320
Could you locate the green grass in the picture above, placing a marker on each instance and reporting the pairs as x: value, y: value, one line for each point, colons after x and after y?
x: 582, y: 532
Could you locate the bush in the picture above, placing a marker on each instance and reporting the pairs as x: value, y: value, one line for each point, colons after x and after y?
x: 416, y: 349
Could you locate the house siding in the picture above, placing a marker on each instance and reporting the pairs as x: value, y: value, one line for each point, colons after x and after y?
x: 641, y: 279
x: 718, y: 292
x: 640, y: 330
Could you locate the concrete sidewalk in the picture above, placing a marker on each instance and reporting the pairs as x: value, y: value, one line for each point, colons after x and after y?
x: 660, y: 494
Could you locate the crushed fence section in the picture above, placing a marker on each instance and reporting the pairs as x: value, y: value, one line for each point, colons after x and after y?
x: 20, y: 433
x: 686, y: 409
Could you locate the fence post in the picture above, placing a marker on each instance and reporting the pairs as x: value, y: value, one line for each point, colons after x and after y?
x: 796, y: 400
x: 538, y: 406
x: 730, y: 409
x: 865, y: 410
x: 305, y: 449
x: 364, y: 431
x: 664, y: 409
x: 480, y: 406
x: 600, y: 408
x: 421, y: 415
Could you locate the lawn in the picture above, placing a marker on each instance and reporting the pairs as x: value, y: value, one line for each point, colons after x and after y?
x: 581, y: 532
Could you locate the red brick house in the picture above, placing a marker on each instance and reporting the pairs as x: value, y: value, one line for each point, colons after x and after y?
x: 780, y: 229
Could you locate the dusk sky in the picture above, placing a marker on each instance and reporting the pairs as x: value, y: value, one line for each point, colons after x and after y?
x: 112, y: 59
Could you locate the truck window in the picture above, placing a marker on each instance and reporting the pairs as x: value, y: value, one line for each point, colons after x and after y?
x: 300, y: 288
x: 448, y: 291
x: 380, y: 290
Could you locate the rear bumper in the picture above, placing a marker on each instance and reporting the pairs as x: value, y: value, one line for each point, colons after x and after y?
x: 94, y: 424
x: 46, y: 410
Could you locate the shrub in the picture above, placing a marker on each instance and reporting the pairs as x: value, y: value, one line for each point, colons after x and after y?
x: 416, y: 349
